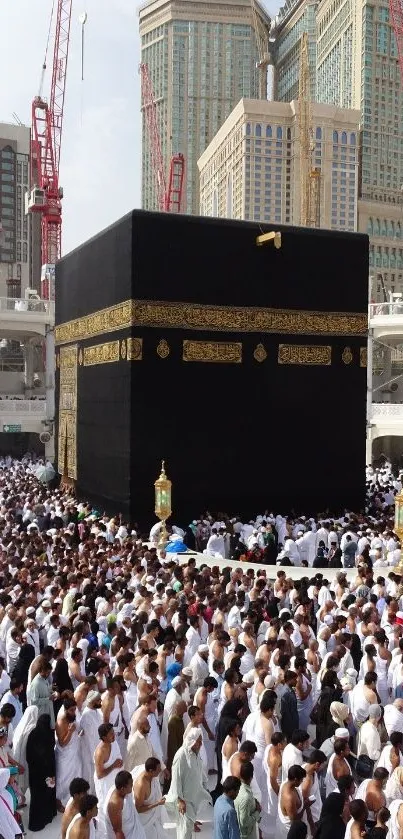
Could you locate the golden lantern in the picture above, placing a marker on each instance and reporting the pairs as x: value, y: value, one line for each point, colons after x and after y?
x: 163, y: 509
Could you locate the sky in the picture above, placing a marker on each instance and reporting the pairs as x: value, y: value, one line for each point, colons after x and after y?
x: 101, y: 148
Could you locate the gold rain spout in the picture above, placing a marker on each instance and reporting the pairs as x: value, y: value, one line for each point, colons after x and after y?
x: 273, y: 236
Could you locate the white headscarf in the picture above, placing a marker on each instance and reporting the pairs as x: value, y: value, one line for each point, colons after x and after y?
x: 26, y: 724
x: 194, y: 734
x: 9, y: 828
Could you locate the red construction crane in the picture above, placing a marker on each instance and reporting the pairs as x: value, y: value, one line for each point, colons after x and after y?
x: 47, y: 126
x: 169, y: 195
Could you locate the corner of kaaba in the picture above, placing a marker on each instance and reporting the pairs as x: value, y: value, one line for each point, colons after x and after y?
x: 241, y: 363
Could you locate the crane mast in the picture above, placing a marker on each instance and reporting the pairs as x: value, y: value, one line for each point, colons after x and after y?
x: 169, y: 191
x: 47, y: 126
x: 310, y: 176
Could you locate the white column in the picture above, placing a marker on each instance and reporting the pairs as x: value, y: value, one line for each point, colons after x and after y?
x: 50, y: 374
x: 370, y: 350
x: 28, y: 368
x: 50, y: 392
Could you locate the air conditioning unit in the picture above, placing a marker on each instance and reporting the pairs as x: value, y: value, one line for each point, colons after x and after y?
x: 35, y: 200
x: 31, y: 294
x: 45, y: 436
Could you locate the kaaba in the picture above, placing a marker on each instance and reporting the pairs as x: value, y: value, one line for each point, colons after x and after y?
x: 241, y: 363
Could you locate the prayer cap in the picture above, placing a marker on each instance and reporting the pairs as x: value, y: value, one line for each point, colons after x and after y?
x: 343, y: 733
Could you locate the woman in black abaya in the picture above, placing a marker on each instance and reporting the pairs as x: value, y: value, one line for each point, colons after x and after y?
x: 20, y: 672
x: 61, y: 682
x: 42, y: 772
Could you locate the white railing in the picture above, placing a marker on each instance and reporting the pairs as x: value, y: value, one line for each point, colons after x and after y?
x: 382, y: 309
x: 387, y: 410
x: 23, y: 406
x: 22, y: 306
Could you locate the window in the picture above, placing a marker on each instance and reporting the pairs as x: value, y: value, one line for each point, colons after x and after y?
x: 377, y: 228
x: 344, y: 137
x: 258, y: 130
x: 335, y: 137
x: 229, y: 196
x: 318, y: 133
x: 279, y: 133
x: 215, y: 203
x: 268, y: 131
x: 248, y: 127
x: 352, y: 139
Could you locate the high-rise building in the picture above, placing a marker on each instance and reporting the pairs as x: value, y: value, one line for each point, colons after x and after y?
x: 292, y: 20
x: 251, y: 169
x: 201, y: 56
x: 15, y: 239
x: 357, y: 64
x: 357, y: 67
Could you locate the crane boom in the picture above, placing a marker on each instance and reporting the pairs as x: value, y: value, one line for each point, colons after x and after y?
x: 47, y: 126
x: 58, y: 87
x: 169, y: 196
x: 175, y: 184
x: 150, y: 116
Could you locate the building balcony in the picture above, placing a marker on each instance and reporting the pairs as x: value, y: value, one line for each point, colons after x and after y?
x: 386, y: 320
x: 22, y: 415
x: 386, y: 421
x: 25, y: 317
x: 386, y: 411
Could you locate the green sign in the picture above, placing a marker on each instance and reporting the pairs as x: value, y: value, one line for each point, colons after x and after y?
x: 11, y: 429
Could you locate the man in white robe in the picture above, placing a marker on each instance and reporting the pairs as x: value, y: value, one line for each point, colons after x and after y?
x: 193, y: 638
x: 188, y: 787
x: 120, y: 816
x: 147, y: 797
x: 199, y: 667
x: 369, y: 741
x: 393, y: 716
x: 173, y: 696
x: 67, y: 751
x: 155, y: 737
x: 309, y: 546
x: 90, y: 721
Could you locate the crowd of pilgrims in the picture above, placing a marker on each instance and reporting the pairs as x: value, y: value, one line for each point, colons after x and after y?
x: 137, y: 689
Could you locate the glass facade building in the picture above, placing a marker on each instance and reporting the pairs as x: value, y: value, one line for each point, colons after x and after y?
x: 15, y: 239
x: 202, y: 60
x: 356, y: 66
